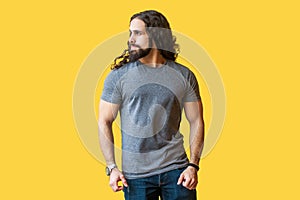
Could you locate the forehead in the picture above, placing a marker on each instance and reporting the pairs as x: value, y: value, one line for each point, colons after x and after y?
x: 137, y: 24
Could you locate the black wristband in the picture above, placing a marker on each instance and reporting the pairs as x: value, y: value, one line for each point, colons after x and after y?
x: 194, y: 165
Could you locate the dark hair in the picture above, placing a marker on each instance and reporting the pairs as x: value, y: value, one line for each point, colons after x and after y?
x: 158, y: 29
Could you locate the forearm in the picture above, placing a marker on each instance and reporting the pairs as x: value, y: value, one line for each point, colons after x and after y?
x: 189, y: 177
x: 196, y: 141
x: 106, y: 141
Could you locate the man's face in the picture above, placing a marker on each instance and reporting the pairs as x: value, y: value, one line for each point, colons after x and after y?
x: 138, y: 42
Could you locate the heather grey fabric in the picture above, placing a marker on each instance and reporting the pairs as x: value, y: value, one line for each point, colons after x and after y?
x: 151, y: 102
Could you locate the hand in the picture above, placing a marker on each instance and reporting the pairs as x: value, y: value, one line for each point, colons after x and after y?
x: 115, y: 177
x: 188, y: 178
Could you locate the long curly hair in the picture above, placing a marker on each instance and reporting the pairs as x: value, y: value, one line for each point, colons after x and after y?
x: 158, y: 29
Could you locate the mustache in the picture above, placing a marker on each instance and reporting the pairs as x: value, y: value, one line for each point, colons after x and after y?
x: 133, y: 45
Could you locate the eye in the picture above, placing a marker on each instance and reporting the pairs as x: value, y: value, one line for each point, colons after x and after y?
x: 137, y: 33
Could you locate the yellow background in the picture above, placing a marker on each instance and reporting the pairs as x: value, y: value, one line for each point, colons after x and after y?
x: 255, y: 45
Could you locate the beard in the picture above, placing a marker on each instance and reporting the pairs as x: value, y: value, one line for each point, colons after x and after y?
x: 134, y: 55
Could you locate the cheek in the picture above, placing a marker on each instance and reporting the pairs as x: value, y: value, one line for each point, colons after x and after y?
x: 143, y: 42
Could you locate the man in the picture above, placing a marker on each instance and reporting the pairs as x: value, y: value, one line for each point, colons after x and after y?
x: 150, y: 90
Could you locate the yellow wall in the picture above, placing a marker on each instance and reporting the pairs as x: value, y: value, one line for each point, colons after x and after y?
x: 254, y: 44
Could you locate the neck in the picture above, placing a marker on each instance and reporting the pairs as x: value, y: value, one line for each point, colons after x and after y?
x: 153, y: 59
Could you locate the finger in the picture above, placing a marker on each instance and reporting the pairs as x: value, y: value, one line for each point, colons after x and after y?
x: 192, y: 184
x: 195, y: 183
x: 113, y: 185
x: 119, y: 188
x: 192, y: 181
x: 123, y: 180
x: 180, y: 180
x: 186, y: 183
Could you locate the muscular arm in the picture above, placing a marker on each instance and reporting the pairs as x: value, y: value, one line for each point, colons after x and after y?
x: 107, y: 114
x: 194, y: 115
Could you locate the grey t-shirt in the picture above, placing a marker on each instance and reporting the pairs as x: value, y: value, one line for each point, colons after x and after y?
x: 151, y: 102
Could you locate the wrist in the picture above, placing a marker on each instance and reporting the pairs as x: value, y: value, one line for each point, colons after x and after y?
x: 109, y: 169
x: 194, y: 166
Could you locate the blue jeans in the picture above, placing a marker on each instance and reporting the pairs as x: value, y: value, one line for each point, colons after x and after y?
x: 162, y: 185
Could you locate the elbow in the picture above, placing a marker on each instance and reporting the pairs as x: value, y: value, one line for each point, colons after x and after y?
x: 104, y: 125
x: 197, y: 123
x: 103, y: 122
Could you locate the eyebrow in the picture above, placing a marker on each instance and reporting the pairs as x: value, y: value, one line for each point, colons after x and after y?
x: 135, y: 31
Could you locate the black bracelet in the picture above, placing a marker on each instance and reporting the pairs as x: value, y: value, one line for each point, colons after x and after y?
x: 194, y: 165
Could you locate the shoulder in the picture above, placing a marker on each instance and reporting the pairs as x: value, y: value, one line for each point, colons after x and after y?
x: 116, y: 74
x: 183, y: 70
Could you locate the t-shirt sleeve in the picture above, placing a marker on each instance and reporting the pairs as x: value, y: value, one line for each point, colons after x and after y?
x: 111, y: 91
x: 192, y: 88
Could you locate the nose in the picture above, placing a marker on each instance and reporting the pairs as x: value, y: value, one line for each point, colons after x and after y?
x: 131, y: 39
